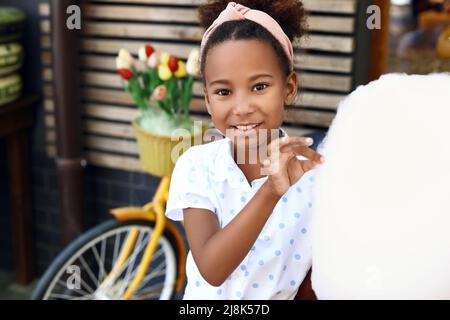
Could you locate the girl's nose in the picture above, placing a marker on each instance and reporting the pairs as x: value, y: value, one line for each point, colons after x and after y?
x: 243, y: 106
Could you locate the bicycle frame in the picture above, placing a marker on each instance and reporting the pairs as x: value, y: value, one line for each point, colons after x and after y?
x: 152, y: 211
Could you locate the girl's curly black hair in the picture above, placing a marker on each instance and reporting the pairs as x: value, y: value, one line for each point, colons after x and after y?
x: 289, y: 14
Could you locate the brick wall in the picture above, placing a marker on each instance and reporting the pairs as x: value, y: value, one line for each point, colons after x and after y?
x: 105, y: 189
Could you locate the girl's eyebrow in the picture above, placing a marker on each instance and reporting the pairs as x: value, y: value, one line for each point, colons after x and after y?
x: 225, y: 81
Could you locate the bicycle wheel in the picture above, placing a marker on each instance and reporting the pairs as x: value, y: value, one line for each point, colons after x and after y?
x: 79, y: 270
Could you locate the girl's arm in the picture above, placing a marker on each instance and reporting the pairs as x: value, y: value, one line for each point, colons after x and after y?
x: 218, y: 252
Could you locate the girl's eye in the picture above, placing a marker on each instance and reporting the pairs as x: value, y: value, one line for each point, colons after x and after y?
x: 261, y: 86
x: 222, y: 92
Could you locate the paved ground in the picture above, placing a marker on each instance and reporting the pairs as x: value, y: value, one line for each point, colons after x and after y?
x: 9, y: 290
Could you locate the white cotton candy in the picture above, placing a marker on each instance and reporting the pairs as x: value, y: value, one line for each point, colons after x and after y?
x: 382, y: 219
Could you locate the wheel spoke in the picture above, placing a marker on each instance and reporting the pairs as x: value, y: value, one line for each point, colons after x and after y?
x: 125, y: 265
x: 155, y: 288
x: 154, y: 272
x: 102, y: 258
x: 86, y: 297
x: 156, y: 256
x: 149, y: 295
x: 130, y: 269
x: 61, y: 296
x: 101, y: 267
x: 89, y: 271
x: 116, y: 250
x: 111, y: 281
x: 79, y: 291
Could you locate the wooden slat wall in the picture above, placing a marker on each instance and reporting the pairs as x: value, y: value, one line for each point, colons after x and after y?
x: 324, y: 62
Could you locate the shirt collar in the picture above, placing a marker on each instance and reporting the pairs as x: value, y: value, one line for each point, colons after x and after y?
x: 227, y: 169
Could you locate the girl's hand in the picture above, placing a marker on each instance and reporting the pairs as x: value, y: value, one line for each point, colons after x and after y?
x: 282, y: 165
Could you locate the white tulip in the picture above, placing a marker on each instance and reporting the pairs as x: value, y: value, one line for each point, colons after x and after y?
x: 153, y: 61
x: 142, y: 54
x: 193, y: 63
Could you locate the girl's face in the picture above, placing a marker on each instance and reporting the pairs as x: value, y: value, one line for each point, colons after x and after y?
x: 245, y: 86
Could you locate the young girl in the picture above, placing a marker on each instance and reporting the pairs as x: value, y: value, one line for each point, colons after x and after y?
x: 247, y: 222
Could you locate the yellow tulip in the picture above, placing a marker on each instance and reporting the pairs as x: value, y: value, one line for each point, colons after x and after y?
x: 124, y: 54
x: 164, y: 58
x: 181, y: 72
x: 124, y: 60
x: 164, y: 72
x: 122, y: 64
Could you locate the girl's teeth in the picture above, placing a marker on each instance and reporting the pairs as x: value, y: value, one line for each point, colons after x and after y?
x: 245, y: 128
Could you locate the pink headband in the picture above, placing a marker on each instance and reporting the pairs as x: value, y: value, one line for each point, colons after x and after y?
x: 236, y: 11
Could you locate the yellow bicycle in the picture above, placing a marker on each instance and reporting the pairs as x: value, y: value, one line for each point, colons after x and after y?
x: 138, y: 255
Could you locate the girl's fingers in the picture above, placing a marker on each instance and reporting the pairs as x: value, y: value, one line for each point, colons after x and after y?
x: 307, y: 165
x: 287, y: 141
x: 308, y: 153
x: 283, y: 143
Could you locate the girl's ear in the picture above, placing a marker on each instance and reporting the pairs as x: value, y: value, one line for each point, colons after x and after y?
x: 291, y: 88
x: 205, y: 93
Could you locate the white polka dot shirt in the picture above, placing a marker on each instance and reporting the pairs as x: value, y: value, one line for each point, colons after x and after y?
x: 206, y: 176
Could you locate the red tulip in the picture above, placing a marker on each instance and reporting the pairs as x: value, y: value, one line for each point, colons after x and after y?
x: 125, y: 74
x: 173, y: 63
x: 149, y: 50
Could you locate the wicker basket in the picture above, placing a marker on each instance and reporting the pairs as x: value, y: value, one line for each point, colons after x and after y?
x: 155, y: 151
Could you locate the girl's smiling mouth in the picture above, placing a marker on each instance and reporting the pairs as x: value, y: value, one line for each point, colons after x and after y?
x: 245, y: 129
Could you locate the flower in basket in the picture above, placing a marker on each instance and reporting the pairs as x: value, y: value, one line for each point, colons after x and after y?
x: 160, y: 85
